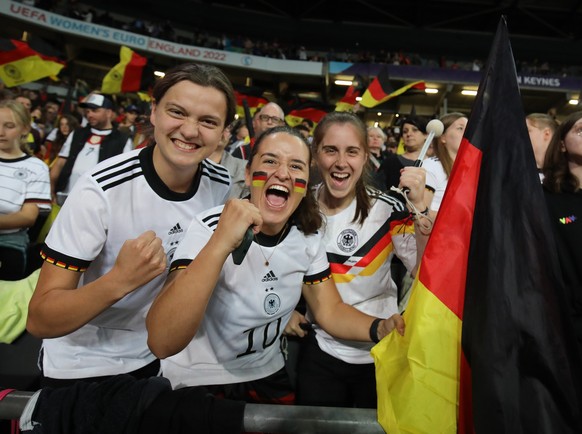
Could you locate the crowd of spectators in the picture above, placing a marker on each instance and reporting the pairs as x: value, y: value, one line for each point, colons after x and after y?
x: 275, y: 48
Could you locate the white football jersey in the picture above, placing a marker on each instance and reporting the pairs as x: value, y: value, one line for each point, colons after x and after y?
x: 121, y: 198
x: 238, y: 339
x: 23, y: 180
x: 360, y: 257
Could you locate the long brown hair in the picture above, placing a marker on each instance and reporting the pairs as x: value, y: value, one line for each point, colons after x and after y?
x: 22, y: 117
x: 557, y: 175
x: 307, y: 216
x: 440, y: 150
x: 363, y: 201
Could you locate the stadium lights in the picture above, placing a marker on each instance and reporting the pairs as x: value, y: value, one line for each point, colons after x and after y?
x: 343, y: 82
x: 573, y: 101
x: 469, y: 92
x: 159, y: 74
x: 431, y: 90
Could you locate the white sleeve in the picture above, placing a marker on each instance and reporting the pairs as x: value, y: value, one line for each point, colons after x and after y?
x: 38, y: 189
x: 128, y: 145
x: 405, y: 249
x: 66, y: 149
x: 195, y: 239
x: 80, y: 229
x: 52, y: 135
x: 319, y: 262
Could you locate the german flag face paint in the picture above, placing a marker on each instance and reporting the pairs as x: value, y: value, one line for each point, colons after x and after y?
x: 259, y: 179
x: 300, y: 186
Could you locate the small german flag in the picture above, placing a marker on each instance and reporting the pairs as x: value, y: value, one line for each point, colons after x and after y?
x: 300, y: 186
x: 259, y: 179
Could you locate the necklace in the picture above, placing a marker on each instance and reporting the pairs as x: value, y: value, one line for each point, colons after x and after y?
x: 276, y: 245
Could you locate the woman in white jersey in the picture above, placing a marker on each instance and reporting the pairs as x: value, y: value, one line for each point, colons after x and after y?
x: 364, y: 229
x: 438, y: 168
x: 218, y: 324
x: 23, y: 190
x: 106, y: 253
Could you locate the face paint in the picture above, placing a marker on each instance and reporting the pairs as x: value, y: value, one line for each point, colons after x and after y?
x: 259, y: 179
x: 300, y: 186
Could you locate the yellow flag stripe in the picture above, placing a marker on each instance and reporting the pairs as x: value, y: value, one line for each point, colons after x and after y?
x: 417, y: 375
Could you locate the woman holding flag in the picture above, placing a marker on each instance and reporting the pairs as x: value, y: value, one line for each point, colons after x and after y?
x: 364, y: 230
x: 217, y: 323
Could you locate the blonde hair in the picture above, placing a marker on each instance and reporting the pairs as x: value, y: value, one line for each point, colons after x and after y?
x: 22, y: 117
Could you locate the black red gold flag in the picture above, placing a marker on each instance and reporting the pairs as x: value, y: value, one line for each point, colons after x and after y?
x: 489, y: 346
x: 20, y: 64
x: 131, y: 74
x: 380, y: 90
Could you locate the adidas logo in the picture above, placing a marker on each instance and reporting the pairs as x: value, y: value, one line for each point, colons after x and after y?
x: 269, y: 277
x: 176, y: 229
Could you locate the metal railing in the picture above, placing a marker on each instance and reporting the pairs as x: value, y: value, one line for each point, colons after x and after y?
x: 284, y: 419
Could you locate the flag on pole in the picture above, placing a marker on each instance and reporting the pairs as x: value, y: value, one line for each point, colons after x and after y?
x: 380, y: 90
x: 310, y: 109
x: 20, y: 64
x: 349, y: 100
x: 131, y: 74
x: 254, y: 98
x: 489, y: 272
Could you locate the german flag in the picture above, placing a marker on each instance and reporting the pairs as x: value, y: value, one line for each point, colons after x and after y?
x: 253, y: 97
x: 300, y: 186
x: 307, y: 109
x: 348, y: 101
x: 488, y: 274
x: 131, y: 74
x: 20, y: 64
x: 259, y: 179
x: 380, y: 90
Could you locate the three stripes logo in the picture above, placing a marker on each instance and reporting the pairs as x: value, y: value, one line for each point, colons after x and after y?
x: 269, y: 277
x: 176, y: 229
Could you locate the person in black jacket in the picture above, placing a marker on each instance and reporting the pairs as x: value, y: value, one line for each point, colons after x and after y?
x: 87, y: 146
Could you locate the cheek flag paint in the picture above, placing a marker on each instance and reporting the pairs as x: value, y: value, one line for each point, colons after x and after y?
x: 259, y: 179
x: 300, y: 186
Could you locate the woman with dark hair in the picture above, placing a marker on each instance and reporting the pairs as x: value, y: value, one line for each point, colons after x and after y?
x: 365, y: 230
x: 413, y: 136
x: 217, y: 324
x: 56, y: 138
x: 106, y: 252
x: 562, y: 183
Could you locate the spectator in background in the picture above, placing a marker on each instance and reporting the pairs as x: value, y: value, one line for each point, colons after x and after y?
x: 269, y: 116
x: 541, y: 129
x: 236, y: 167
x: 127, y: 124
x: 57, y: 137
x: 239, y: 135
x: 24, y: 190
x: 87, y: 146
x: 562, y: 183
x: 439, y: 167
x: 376, y: 140
x: 413, y: 135
x: 34, y: 137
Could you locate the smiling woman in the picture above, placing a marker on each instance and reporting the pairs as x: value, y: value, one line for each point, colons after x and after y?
x: 107, y: 252
x: 217, y: 323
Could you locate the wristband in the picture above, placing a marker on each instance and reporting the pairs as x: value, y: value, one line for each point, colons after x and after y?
x: 374, y: 330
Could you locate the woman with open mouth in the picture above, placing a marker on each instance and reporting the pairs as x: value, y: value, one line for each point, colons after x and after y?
x: 218, y: 324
